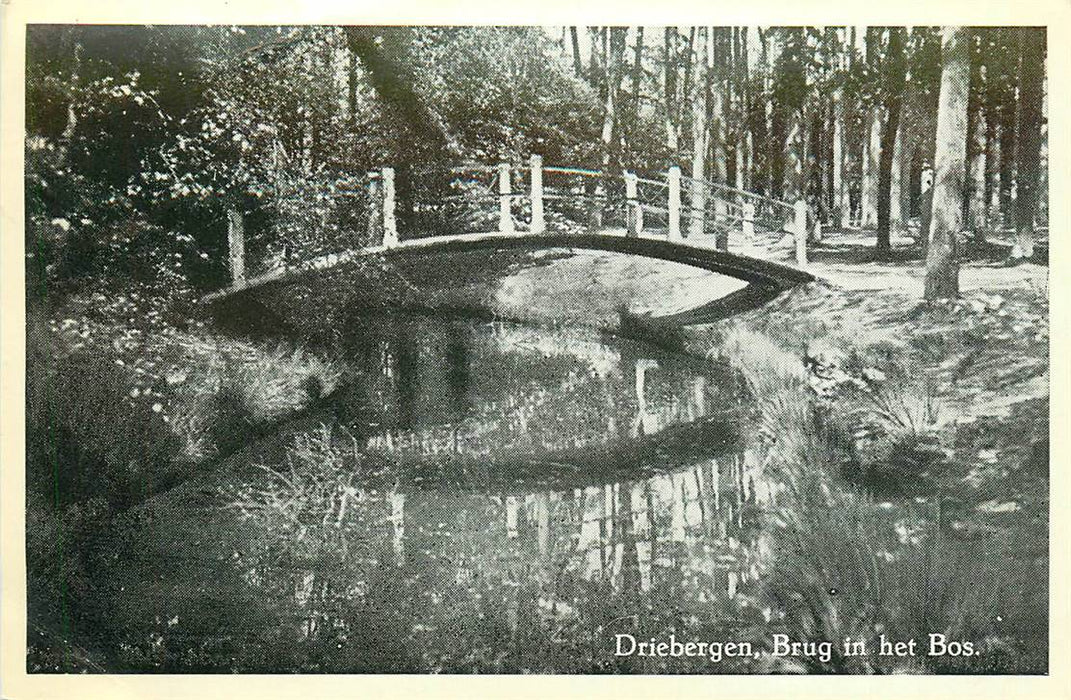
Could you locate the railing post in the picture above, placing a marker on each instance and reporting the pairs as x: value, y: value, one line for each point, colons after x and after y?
x: 236, y: 244
x: 539, y: 224
x: 747, y: 226
x: 390, y: 222
x: 799, y: 227
x: 505, y: 198
x: 634, y: 218
x: 674, y: 203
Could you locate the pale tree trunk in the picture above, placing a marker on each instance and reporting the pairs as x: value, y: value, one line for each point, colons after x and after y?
x: 669, y: 57
x: 871, y: 165
x: 840, y: 157
x: 900, y: 183
x: 894, y: 75
x: 793, y: 153
x: 950, y: 152
x: 597, y: 38
x: 743, y: 132
x: 1028, y: 138
x: 992, y: 167
x: 976, y: 208
x: 775, y: 131
x: 872, y: 147
x: 741, y: 165
x: 612, y: 61
x: 637, y: 77
x: 699, y: 137
x: 1007, y: 149
x: 974, y: 200
x: 719, y: 131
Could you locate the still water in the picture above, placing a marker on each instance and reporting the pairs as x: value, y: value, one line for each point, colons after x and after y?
x: 501, y: 498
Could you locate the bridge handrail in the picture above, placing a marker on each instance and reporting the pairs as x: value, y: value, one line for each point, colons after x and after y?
x: 567, y: 170
x: 589, y: 172
x: 717, y: 186
x: 667, y: 197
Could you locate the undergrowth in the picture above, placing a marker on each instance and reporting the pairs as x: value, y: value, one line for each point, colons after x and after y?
x: 859, y: 540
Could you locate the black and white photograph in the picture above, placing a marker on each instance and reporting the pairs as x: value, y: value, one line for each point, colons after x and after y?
x: 532, y: 349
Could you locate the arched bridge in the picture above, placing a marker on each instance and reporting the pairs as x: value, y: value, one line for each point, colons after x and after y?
x: 683, y: 220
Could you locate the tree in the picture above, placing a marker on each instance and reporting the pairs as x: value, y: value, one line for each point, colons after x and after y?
x: 839, y: 184
x: 946, y: 219
x: 384, y: 51
x: 792, y: 92
x: 578, y: 65
x: 974, y: 202
x: 872, y: 149
x: 1028, y: 137
x: 895, y: 70
x: 669, y: 58
x: 700, y: 135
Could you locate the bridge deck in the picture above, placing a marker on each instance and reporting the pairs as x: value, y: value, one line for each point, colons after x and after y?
x: 768, y: 277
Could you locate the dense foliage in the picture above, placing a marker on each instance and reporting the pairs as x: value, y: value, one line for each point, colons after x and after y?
x: 139, y: 138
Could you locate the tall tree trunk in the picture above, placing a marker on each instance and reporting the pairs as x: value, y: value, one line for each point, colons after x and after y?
x: 871, y: 165
x: 978, y: 153
x: 900, y: 187
x: 1007, y: 153
x: 950, y: 152
x: 778, y: 112
x: 612, y: 61
x: 747, y: 133
x: 1028, y: 138
x: 578, y: 64
x: 793, y: 155
x: 992, y: 169
x: 596, y: 67
x: 894, y: 82
x: 699, y: 136
x: 793, y: 102
x: 669, y: 56
x: 716, y: 66
x: 840, y: 160
x: 812, y: 167
x: 871, y: 154
x: 637, y: 77
x: 974, y: 192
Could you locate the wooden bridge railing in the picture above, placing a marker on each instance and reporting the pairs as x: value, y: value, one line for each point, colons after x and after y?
x: 536, y: 198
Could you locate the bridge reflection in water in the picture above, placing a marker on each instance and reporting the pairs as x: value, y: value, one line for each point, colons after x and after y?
x: 539, y: 465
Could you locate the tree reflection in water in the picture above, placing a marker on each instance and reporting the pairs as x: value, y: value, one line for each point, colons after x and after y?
x: 490, y: 498
x: 551, y: 478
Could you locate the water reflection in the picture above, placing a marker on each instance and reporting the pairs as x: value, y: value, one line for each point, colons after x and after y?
x: 487, y: 497
x: 537, y: 466
x: 447, y: 396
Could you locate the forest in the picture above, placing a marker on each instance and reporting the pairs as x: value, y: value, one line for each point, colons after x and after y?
x: 491, y: 460
x: 160, y: 129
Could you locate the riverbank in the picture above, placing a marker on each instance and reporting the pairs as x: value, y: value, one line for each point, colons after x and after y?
x: 951, y: 467
x: 931, y: 423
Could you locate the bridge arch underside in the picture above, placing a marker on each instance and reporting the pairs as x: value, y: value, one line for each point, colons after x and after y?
x: 285, y: 296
